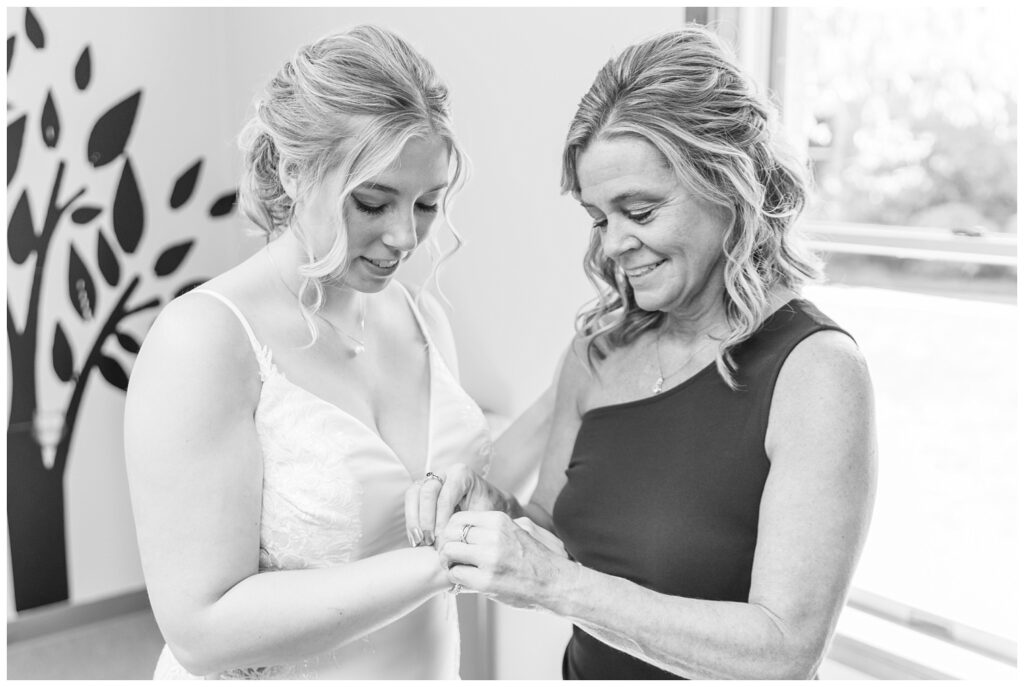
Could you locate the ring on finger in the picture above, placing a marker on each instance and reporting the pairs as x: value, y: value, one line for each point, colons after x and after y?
x: 456, y: 588
x: 430, y: 476
x: 465, y: 533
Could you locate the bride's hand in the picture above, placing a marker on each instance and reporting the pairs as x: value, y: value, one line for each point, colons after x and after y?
x: 430, y: 503
x: 515, y: 562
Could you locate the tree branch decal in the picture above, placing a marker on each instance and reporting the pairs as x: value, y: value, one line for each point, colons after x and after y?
x: 38, y: 452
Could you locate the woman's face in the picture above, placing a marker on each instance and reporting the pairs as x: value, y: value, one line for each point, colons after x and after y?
x: 386, y: 217
x: 666, y: 240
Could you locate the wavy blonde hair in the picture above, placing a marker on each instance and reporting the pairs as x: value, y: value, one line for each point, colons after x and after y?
x: 684, y: 93
x: 349, y: 101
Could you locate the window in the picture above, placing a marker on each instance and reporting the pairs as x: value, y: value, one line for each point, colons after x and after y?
x: 909, y: 119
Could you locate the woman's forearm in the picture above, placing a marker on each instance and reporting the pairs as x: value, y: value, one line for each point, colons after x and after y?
x: 519, y: 449
x: 285, y: 616
x: 692, y: 638
x: 510, y: 505
x: 538, y: 514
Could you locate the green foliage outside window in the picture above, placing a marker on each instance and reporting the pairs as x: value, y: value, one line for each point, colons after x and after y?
x: 914, y: 115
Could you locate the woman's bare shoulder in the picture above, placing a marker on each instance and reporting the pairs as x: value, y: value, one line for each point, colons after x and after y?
x: 828, y: 359
x: 197, y: 341
x: 823, y: 397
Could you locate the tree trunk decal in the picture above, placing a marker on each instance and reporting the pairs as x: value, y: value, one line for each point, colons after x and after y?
x: 38, y: 443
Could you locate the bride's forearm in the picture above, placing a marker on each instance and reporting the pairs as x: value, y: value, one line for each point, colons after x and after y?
x: 285, y: 616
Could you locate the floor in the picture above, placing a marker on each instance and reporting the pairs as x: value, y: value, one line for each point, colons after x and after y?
x: 122, y: 648
x: 126, y: 648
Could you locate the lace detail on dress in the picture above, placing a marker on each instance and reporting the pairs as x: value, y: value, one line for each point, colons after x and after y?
x: 285, y: 672
x: 311, y: 499
x: 265, y: 360
x: 472, y: 417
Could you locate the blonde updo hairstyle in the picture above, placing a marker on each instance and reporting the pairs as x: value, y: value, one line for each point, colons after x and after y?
x: 683, y: 93
x: 352, y: 101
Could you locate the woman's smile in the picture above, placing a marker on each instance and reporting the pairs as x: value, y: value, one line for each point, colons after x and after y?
x: 639, y: 273
x: 382, y: 267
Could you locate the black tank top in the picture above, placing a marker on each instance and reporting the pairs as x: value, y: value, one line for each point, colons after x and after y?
x: 665, y: 490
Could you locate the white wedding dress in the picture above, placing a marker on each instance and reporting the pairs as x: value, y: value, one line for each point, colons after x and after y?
x: 333, y: 492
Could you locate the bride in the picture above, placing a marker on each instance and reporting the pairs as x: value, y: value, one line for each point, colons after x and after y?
x: 278, y: 415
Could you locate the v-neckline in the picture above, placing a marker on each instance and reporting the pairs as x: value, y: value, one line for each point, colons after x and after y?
x: 431, y: 374
x: 365, y: 427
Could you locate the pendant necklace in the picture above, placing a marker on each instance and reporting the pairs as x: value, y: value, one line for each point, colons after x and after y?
x: 358, y: 345
x: 659, y: 385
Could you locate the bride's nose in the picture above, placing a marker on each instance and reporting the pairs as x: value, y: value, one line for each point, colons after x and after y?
x: 401, y: 233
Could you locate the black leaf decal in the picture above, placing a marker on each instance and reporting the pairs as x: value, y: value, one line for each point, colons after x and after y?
x: 21, y: 236
x: 33, y: 30
x: 129, y: 215
x: 83, y: 70
x: 85, y: 214
x: 185, y: 184
x: 50, y: 122
x: 128, y: 342
x: 63, y: 361
x: 188, y: 287
x: 15, y: 134
x: 224, y: 205
x: 113, y: 372
x: 110, y: 133
x: 107, y: 260
x: 81, y: 289
x: 172, y: 258
x: 10, y: 51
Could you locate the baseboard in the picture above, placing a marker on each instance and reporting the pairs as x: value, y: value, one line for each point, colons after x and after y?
x: 38, y: 622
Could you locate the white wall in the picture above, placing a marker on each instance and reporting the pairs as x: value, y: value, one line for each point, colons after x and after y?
x: 516, y: 76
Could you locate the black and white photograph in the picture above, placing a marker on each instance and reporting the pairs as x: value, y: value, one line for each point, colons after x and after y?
x: 512, y: 342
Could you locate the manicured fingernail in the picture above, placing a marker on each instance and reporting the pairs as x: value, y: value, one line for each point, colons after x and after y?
x: 417, y: 536
x: 428, y: 537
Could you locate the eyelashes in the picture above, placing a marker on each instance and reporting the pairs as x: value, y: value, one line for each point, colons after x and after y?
x: 368, y: 209
x: 642, y: 217
x: 376, y: 210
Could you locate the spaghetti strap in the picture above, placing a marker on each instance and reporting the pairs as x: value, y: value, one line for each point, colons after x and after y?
x: 262, y: 352
x: 416, y: 314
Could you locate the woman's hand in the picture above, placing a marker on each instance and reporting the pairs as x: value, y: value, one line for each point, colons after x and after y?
x: 515, y: 562
x: 430, y: 503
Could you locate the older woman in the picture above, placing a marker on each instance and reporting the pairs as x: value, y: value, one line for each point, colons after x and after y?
x: 711, y: 467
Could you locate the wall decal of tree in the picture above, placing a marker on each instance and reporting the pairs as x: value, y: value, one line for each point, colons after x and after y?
x: 38, y: 443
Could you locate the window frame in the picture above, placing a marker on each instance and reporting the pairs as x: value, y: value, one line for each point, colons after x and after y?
x: 760, y: 37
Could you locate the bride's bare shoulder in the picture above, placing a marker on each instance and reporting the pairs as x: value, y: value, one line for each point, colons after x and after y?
x: 198, y: 339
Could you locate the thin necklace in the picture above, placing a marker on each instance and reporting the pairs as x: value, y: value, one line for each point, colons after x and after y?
x: 360, y: 344
x: 659, y: 385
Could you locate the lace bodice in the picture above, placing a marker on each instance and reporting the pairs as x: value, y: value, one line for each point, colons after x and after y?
x: 333, y: 492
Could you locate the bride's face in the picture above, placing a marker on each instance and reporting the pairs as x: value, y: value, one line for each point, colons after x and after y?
x: 387, y: 217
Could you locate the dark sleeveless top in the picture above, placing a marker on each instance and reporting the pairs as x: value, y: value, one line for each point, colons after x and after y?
x: 665, y: 490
